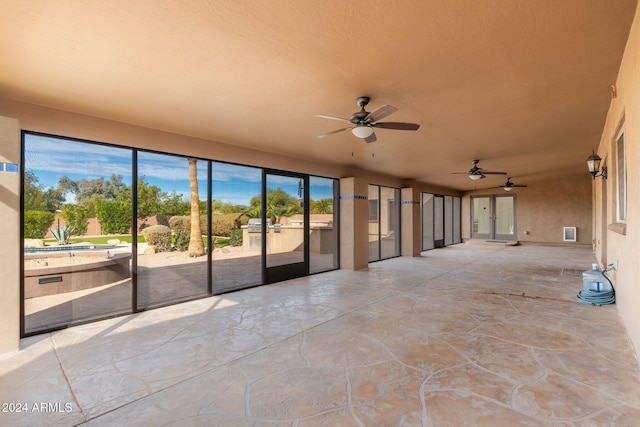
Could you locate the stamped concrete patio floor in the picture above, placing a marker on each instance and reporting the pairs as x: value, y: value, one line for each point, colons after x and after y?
x: 465, y: 335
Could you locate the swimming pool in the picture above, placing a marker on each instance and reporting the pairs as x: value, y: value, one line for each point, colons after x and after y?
x: 68, y: 248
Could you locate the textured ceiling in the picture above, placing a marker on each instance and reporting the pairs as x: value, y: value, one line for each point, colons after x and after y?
x: 522, y: 85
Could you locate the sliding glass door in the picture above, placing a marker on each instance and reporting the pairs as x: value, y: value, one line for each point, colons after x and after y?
x: 285, y: 226
x: 323, y: 224
x: 77, y: 225
x: 384, y: 222
x: 236, y: 254
x: 440, y: 221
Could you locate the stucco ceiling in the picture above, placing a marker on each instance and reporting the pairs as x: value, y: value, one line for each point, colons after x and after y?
x: 523, y: 85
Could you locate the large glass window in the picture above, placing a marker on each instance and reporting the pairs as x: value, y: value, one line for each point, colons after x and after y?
x: 457, y: 237
x: 112, y: 230
x: 384, y: 222
x: 440, y: 221
x: 323, y: 224
x: 172, y: 258
x: 389, y: 222
x: 236, y: 212
x: 427, y: 222
x: 448, y: 220
x: 77, y: 230
x: 374, y: 223
x: 505, y: 217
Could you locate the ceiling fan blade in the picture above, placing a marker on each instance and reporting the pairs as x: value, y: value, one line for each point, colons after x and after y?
x: 371, y: 138
x: 332, y: 132
x: 322, y: 116
x: 381, y: 113
x: 520, y: 185
x: 397, y: 125
x: 493, y: 173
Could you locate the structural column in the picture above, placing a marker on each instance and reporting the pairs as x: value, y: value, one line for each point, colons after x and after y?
x: 354, y: 223
x: 410, y: 222
x: 10, y: 221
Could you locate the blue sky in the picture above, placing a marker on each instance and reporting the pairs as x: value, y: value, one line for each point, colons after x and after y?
x: 51, y: 158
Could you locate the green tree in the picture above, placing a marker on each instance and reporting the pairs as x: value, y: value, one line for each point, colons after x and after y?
x: 218, y: 206
x: 107, y: 189
x: 77, y: 216
x: 67, y: 185
x: 279, y: 204
x: 253, y: 212
x: 322, y: 206
x: 54, y: 198
x: 34, y: 199
x: 278, y: 197
x: 38, y: 198
x: 149, y: 199
x: 89, y: 204
x: 276, y: 212
x: 114, y: 216
x: 174, y: 204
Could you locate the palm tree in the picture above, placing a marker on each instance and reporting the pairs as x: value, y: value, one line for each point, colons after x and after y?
x: 196, y: 245
x: 276, y: 212
x: 323, y: 206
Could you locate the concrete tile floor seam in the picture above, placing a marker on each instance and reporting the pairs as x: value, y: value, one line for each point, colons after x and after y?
x: 66, y: 377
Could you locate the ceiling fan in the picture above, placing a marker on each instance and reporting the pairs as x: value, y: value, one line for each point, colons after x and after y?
x: 478, y: 173
x: 508, y: 185
x: 363, y: 122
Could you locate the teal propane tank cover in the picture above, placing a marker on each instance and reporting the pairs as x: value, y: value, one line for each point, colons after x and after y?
x: 594, y: 280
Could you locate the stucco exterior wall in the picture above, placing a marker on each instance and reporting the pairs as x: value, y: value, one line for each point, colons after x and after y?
x: 544, y: 208
x: 620, y: 243
x: 10, y: 248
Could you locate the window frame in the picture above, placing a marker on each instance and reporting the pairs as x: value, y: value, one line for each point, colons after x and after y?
x: 621, y: 178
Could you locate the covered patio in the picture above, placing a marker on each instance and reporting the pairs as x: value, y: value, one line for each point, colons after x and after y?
x: 491, y: 334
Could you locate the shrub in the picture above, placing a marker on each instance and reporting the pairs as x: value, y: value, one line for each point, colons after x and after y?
x: 163, y: 219
x: 37, y: 223
x: 183, y: 223
x: 114, y: 216
x: 158, y: 236
x: 77, y: 217
x: 181, y: 240
x: 236, y: 237
x: 180, y: 223
x: 222, y: 225
x: 204, y: 226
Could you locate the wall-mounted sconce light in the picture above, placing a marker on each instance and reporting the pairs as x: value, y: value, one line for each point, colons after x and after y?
x: 593, y: 163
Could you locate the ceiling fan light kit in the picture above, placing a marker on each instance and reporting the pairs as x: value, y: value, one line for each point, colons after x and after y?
x: 362, y: 131
x: 364, y: 122
x: 508, y: 185
x: 476, y: 172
